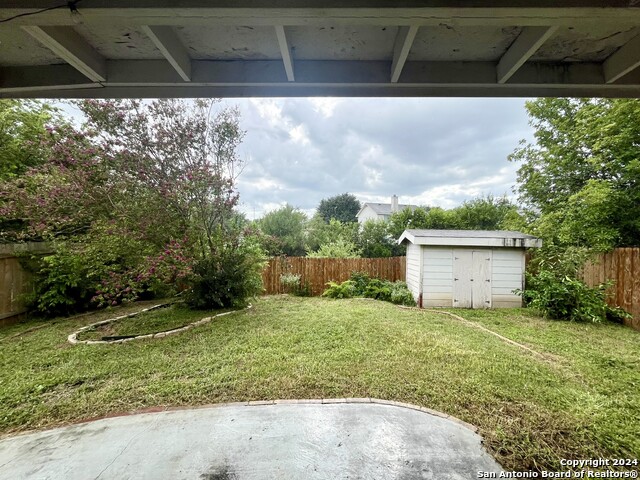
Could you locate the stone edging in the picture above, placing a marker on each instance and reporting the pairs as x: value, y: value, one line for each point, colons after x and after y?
x: 73, y: 338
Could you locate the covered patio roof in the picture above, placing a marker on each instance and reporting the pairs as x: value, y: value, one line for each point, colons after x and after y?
x: 224, y: 48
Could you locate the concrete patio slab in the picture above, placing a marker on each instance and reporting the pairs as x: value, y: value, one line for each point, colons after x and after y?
x: 238, y: 442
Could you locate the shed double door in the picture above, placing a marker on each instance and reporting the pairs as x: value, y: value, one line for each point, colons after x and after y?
x: 472, y: 278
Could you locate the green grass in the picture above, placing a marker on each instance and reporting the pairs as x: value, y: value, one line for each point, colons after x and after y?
x: 581, y: 401
x: 154, y: 321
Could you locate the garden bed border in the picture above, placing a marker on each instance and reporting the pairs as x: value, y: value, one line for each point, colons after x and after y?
x: 73, y: 338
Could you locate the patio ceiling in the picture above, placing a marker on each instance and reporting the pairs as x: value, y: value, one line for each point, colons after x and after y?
x: 189, y: 48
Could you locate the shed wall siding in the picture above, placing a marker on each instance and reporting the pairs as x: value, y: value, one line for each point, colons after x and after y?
x: 413, y: 270
x: 437, y: 274
x: 507, y: 275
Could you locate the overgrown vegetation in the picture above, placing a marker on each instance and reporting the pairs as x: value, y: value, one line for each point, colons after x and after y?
x: 361, y: 285
x: 292, y: 283
x: 138, y: 201
x: 580, y: 401
x: 580, y: 182
x: 288, y: 231
x: 566, y: 298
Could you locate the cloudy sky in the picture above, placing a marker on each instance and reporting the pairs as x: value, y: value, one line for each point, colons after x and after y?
x: 427, y: 151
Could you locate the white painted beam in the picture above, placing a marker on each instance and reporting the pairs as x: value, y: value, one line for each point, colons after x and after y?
x: 527, y: 43
x: 43, y: 79
x: 149, y: 78
x: 333, y: 73
x: 171, y: 47
x: 285, y: 51
x: 67, y: 44
x: 626, y: 59
x: 119, y: 14
x: 401, y: 48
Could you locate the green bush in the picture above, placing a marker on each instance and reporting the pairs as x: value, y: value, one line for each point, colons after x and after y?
x: 63, y: 282
x: 227, y: 278
x: 565, y: 298
x: 400, y: 294
x: 345, y: 289
x: 292, y: 283
x: 378, y: 289
x: 360, y: 280
x: 361, y: 285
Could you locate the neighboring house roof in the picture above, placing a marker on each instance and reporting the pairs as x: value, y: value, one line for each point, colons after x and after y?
x: 385, y: 208
x: 470, y: 238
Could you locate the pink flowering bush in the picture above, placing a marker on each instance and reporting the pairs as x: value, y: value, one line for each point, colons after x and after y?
x: 131, y: 202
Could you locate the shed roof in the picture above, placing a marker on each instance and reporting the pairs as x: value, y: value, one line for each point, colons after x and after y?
x: 470, y: 238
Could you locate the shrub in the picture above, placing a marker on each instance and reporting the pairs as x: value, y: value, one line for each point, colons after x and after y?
x: 400, y: 294
x: 361, y: 280
x: 378, y: 289
x: 63, y: 282
x: 339, y: 248
x: 340, y: 290
x: 565, y: 298
x: 227, y: 278
x: 292, y: 283
x: 361, y: 285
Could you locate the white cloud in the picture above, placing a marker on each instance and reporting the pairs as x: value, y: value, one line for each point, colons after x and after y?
x: 427, y: 151
x: 325, y: 105
x: 438, y: 151
x: 299, y: 135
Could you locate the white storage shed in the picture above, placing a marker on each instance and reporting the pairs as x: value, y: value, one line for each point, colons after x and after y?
x: 466, y: 268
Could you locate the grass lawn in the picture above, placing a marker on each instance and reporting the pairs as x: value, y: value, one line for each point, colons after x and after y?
x: 580, y: 401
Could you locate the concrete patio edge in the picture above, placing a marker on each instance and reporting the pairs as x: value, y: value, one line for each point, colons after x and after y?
x: 252, y: 403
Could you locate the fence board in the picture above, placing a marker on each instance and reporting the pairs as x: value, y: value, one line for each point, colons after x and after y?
x: 319, y: 271
x: 621, y: 266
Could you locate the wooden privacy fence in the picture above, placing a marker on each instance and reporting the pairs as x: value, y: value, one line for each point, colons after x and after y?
x: 622, y: 266
x: 319, y: 271
x: 14, y: 280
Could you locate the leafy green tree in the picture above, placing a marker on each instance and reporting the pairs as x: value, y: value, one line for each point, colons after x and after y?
x: 142, y: 193
x: 407, y: 218
x: 343, y: 208
x: 339, y: 248
x: 287, y: 226
x: 24, y: 126
x: 320, y: 232
x: 484, y: 213
x: 581, y: 175
x: 375, y: 241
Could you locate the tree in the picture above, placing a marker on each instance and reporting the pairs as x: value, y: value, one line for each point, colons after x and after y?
x: 142, y: 194
x: 407, y: 218
x: 375, y: 240
x: 24, y: 127
x: 484, y: 213
x: 319, y: 232
x: 581, y: 175
x: 339, y: 248
x: 287, y: 225
x: 343, y: 208
x: 424, y: 217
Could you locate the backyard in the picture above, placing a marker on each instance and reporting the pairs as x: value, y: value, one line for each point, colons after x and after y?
x: 573, y: 394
